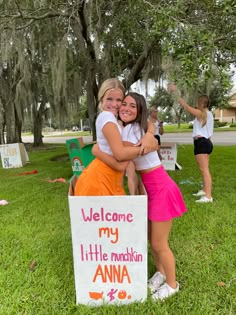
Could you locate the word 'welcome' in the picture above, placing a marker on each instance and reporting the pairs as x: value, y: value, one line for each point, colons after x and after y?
x: 102, y: 215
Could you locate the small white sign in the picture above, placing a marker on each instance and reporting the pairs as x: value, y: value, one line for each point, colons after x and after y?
x: 109, y: 238
x: 13, y: 155
x: 169, y: 156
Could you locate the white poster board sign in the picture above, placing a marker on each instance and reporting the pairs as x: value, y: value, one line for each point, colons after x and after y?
x: 109, y: 239
x: 169, y: 156
x: 13, y: 155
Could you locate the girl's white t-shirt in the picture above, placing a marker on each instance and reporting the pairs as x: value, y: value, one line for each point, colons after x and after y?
x: 205, y: 131
x: 102, y: 119
x: 133, y: 134
x: 157, y: 128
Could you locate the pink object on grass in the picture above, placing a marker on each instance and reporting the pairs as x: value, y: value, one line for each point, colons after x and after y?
x: 3, y: 203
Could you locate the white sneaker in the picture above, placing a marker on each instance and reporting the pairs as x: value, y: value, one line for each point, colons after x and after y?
x: 165, y: 291
x: 204, y: 199
x: 200, y: 193
x: 156, y: 281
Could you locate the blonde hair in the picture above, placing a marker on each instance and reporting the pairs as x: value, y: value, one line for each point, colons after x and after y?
x: 152, y: 109
x: 109, y: 84
x: 203, y: 104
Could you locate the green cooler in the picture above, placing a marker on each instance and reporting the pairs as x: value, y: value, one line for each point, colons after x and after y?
x: 80, y: 154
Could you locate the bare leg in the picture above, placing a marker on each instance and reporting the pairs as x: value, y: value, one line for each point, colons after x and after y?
x: 203, y: 164
x: 162, y: 254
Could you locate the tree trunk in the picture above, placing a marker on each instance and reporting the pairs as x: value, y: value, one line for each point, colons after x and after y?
x: 37, y: 131
x: 10, y: 123
x: 91, y: 105
x: 18, y: 129
x: 2, y: 124
x: 37, y: 126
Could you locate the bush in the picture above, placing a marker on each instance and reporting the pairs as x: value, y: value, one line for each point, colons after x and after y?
x: 222, y: 124
x: 218, y: 123
x: 233, y: 125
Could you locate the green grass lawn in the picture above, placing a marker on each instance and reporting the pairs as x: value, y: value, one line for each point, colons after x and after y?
x: 187, y: 128
x: 35, y: 227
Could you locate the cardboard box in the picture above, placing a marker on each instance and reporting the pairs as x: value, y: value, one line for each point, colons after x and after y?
x: 109, y: 241
x: 169, y: 156
x: 13, y: 155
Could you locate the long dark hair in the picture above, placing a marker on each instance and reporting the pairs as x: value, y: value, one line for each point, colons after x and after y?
x: 142, y: 112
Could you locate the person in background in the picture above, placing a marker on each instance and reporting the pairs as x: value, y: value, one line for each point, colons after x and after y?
x: 165, y: 201
x: 153, y: 117
x: 202, y: 132
x: 98, y: 179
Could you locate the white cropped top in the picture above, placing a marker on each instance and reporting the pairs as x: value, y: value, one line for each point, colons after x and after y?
x: 207, y: 130
x: 132, y: 133
x: 102, y: 119
x: 157, y: 128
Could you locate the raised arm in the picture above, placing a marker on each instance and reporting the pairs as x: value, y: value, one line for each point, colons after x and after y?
x: 172, y: 89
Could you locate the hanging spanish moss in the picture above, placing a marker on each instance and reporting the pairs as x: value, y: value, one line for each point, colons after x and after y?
x: 59, y: 78
x: 24, y: 93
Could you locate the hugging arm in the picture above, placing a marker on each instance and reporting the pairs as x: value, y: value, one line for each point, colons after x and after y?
x: 119, y: 150
x: 109, y: 159
x: 148, y: 142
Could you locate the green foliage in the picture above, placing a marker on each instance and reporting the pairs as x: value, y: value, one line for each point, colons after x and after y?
x: 161, y: 99
x: 218, y: 123
x: 164, y: 102
x: 196, y: 39
x: 59, y: 51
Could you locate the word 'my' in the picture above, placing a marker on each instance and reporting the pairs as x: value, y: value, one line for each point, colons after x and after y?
x: 109, y: 232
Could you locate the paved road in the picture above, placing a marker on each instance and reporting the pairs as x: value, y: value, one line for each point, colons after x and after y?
x: 219, y: 138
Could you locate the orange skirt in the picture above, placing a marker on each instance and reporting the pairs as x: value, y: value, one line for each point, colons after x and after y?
x: 98, y: 179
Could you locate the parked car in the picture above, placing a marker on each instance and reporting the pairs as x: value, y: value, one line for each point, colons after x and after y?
x: 86, y: 128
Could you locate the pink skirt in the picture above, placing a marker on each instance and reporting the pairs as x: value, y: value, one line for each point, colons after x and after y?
x: 165, y: 200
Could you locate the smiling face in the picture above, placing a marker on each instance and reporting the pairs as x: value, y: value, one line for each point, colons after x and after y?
x: 112, y: 100
x: 128, y: 110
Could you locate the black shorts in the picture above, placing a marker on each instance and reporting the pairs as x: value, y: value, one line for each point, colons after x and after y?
x: 202, y: 146
x: 158, y: 139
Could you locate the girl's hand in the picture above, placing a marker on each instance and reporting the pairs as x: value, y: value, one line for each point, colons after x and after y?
x: 95, y: 149
x: 148, y: 144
